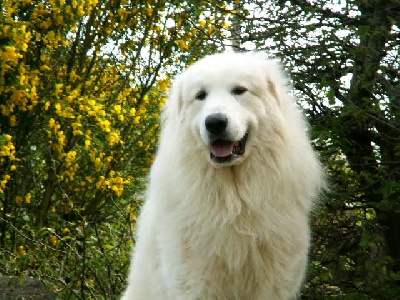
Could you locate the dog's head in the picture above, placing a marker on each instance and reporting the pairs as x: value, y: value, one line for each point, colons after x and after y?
x: 226, y: 101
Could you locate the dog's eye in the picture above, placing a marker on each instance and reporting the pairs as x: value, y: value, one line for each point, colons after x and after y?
x: 201, y: 95
x: 239, y: 90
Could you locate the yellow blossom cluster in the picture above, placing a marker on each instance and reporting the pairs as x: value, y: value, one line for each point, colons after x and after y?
x: 22, y: 95
x: 92, y: 121
x: 8, y: 158
x: 21, y: 251
x: 3, y: 182
x: 114, y: 181
x: 7, y: 148
x: 91, y: 118
x: 20, y: 199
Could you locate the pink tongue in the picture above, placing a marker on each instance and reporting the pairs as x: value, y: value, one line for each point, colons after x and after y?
x: 222, y: 148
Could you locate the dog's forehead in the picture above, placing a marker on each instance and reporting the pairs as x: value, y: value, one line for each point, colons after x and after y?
x: 221, y: 72
x: 224, y: 66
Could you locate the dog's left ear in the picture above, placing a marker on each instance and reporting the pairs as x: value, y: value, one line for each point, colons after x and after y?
x: 277, y: 81
x: 272, y: 89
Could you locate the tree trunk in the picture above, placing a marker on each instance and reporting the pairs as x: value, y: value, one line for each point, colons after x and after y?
x: 49, y: 188
x: 362, y: 132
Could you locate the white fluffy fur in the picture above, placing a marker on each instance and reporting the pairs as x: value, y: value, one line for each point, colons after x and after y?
x: 238, y: 231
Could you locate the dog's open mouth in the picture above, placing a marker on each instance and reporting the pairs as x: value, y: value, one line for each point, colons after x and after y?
x: 223, y: 151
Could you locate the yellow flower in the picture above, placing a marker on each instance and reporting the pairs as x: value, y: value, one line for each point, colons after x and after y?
x: 21, y: 251
x: 91, y: 282
x: 87, y: 144
x: 105, y: 124
x: 28, y: 198
x: 226, y: 25
x: 58, y: 108
x: 117, y: 109
x: 10, y: 54
x: 202, y: 23
x: 182, y: 45
x: 53, y: 240
x: 98, y: 163
x: 142, y: 111
x: 44, y: 67
x: 70, y: 158
x: 59, y: 87
x: 13, y: 120
x: 114, y: 138
x: 149, y: 11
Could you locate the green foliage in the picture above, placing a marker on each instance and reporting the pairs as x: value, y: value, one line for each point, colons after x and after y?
x: 342, y: 58
x: 82, y: 261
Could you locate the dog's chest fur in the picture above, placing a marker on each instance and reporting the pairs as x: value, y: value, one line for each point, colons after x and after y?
x: 227, y: 241
x: 237, y: 265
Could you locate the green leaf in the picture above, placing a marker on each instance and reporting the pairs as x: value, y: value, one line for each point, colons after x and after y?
x: 108, y: 247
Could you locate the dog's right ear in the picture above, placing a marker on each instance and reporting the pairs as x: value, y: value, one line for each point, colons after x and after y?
x: 173, y: 106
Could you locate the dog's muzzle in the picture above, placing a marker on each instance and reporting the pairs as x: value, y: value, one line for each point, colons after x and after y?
x: 222, y: 149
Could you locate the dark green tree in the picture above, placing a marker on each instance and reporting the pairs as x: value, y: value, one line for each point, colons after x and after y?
x: 344, y: 60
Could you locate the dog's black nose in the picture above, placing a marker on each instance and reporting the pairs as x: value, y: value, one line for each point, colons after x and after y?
x: 216, y: 123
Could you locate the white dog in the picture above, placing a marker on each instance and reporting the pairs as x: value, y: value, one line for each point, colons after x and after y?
x: 231, y: 189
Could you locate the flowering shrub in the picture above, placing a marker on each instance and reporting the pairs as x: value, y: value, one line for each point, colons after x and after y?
x: 81, y: 88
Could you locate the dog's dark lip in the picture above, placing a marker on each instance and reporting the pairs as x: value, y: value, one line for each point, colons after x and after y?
x: 238, y: 151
